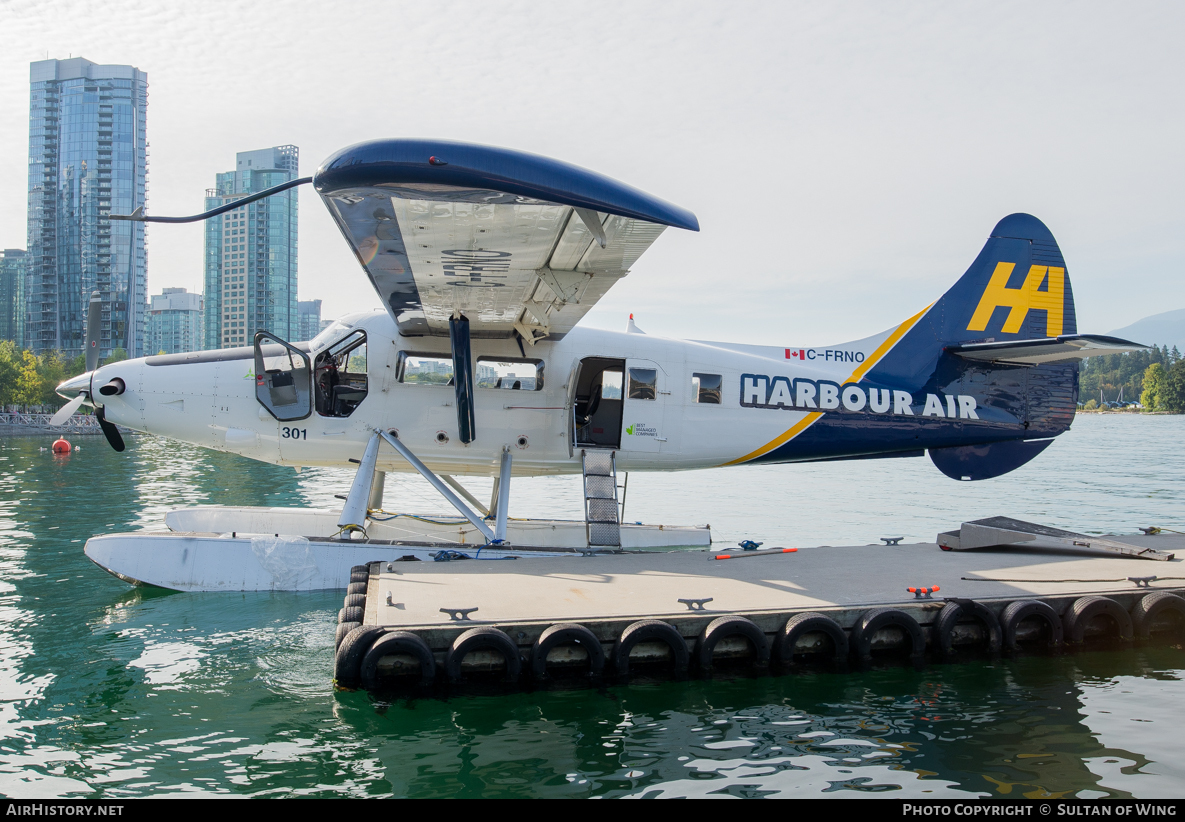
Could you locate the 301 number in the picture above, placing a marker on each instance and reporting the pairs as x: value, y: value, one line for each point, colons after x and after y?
x: 295, y: 433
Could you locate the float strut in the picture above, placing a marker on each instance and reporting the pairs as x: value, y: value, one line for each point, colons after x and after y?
x: 464, y: 492
x: 503, y: 498
x: 439, y: 485
x: 353, y: 516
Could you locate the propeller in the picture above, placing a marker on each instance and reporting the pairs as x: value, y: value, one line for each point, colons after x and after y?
x: 67, y: 410
x: 93, y: 316
x: 109, y: 429
x: 94, y: 313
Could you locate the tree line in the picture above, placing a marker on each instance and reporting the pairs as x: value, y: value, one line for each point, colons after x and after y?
x: 28, y: 380
x: 1155, y: 378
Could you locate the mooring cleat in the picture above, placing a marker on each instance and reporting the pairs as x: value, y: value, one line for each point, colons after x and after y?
x: 458, y: 614
x: 891, y: 540
x: 1142, y: 582
x: 695, y: 604
x: 924, y: 593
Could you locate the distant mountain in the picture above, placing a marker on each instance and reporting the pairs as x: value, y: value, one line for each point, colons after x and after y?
x: 1159, y: 329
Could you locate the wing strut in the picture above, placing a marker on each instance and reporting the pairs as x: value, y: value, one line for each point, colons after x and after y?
x: 458, y: 332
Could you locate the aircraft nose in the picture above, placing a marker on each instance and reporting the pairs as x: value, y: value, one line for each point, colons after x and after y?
x: 70, y: 388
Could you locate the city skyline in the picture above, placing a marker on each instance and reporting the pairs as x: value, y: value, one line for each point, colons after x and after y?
x: 870, y: 150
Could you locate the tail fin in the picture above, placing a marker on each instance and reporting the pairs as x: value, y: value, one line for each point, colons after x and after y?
x: 1017, y: 289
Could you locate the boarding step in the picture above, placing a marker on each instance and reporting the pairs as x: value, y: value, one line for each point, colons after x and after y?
x: 601, y: 512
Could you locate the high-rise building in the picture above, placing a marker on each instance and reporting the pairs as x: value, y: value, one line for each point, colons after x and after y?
x: 174, y: 322
x: 251, y: 252
x: 88, y: 159
x: 310, y: 319
x: 12, y: 295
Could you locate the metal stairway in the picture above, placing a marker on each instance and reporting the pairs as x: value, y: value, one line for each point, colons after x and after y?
x: 600, y: 498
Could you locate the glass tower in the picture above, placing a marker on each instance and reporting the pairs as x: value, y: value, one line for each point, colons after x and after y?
x: 12, y: 295
x: 251, y: 252
x: 310, y: 319
x: 174, y: 323
x: 88, y: 159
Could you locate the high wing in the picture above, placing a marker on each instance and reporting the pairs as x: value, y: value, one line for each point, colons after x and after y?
x: 515, y: 242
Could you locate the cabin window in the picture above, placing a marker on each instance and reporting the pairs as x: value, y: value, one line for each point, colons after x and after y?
x: 611, y: 385
x: 516, y: 375
x: 425, y: 369
x: 706, y: 388
x: 341, y: 382
x: 642, y: 383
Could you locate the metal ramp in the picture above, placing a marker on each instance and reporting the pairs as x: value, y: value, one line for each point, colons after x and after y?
x: 600, y: 498
x: 1004, y: 532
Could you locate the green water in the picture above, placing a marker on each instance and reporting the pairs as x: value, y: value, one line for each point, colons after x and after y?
x: 111, y: 691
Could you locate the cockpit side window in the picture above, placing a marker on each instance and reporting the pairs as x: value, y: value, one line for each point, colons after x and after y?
x: 341, y: 383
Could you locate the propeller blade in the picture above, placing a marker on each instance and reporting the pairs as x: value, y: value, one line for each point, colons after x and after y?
x: 109, y: 429
x: 94, y: 313
x: 67, y: 410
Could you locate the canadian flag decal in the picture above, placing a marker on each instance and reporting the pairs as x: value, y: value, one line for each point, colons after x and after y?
x: 798, y: 355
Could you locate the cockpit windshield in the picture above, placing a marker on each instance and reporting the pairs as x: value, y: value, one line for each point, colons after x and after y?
x: 333, y: 331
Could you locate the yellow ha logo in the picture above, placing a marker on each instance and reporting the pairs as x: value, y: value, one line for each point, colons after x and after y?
x: 1024, y: 299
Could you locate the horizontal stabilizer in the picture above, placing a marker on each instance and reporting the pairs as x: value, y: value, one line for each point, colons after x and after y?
x: 1045, y: 349
x: 1005, y: 532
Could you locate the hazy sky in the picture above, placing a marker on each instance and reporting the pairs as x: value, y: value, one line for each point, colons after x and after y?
x: 846, y: 160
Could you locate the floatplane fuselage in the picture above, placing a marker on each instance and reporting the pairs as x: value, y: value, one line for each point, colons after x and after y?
x: 485, y: 260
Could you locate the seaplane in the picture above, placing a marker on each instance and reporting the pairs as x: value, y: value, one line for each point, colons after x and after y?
x: 485, y: 260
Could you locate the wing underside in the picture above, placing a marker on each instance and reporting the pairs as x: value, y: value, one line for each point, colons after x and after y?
x: 509, y: 263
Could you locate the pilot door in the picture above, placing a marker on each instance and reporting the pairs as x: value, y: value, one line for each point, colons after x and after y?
x: 282, y: 378
x: 644, y: 401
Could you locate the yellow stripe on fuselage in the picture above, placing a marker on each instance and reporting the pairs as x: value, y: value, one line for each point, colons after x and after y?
x: 861, y: 369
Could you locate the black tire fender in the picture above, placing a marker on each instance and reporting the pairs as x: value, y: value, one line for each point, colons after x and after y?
x: 725, y: 626
x: 872, y: 621
x: 350, y: 614
x: 645, y: 630
x: 485, y: 636
x: 565, y: 633
x: 1017, y: 612
x: 348, y: 659
x: 1085, y: 609
x: 343, y: 629
x: 360, y: 573
x: 810, y: 623
x: 355, y: 599
x: 397, y: 642
x: 1152, y: 605
x: 356, y: 588
x: 958, y: 609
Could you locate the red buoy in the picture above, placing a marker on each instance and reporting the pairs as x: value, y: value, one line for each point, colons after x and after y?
x: 61, y: 446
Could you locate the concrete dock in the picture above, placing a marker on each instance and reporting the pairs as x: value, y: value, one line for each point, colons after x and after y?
x: 473, y: 616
